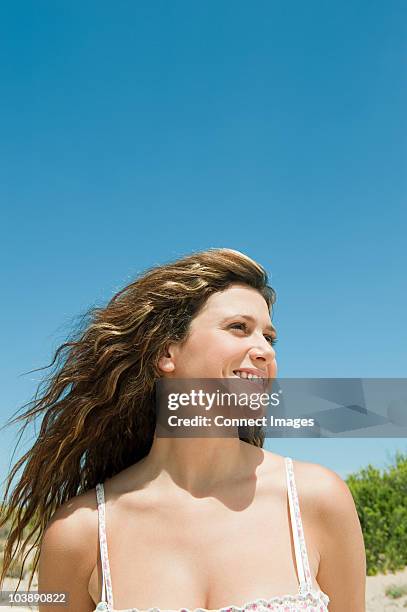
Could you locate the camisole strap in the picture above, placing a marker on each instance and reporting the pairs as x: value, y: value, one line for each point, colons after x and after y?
x: 106, y: 579
x: 301, y: 556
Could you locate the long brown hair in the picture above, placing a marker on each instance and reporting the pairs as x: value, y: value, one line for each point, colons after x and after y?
x: 97, y: 404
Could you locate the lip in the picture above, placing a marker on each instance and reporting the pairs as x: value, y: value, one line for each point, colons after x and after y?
x: 263, y: 383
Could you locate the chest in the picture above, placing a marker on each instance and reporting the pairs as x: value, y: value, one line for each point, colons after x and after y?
x: 204, y: 554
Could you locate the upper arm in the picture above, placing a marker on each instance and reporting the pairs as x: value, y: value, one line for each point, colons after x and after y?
x: 342, y: 568
x: 67, y: 558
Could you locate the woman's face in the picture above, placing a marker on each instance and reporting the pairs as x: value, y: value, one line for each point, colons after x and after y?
x: 230, y: 336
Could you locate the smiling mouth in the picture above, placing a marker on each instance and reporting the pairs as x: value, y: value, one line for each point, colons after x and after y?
x: 261, y: 382
x: 248, y: 375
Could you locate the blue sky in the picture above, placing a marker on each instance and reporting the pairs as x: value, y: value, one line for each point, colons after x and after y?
x: 133, y: 133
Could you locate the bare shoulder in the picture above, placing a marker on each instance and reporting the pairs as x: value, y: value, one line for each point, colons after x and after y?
x: 69, y: 551
x: 324, y: 497
x: 328, y: 507
x: 322, y: 491
x: 314, y: 482
x: 73, y: 520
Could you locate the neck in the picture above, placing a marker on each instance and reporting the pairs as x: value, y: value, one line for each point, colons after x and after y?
x: 200, y: 465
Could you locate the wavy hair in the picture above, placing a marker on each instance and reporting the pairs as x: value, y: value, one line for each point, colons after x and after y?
x: 97, y: 403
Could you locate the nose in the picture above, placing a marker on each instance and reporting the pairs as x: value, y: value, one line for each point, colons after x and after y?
x: 264, y: 353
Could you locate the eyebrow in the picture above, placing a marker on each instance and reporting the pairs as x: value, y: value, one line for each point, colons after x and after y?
x: 269, y: 328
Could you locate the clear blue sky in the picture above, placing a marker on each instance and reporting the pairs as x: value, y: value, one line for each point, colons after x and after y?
x: 136, y: 132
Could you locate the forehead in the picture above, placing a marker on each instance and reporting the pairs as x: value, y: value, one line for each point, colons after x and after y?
x: 234, y: 300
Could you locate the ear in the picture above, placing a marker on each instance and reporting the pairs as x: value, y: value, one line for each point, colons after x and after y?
x: 166, y: 363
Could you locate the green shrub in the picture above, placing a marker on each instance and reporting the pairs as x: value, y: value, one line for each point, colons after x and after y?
x: 380, y: 497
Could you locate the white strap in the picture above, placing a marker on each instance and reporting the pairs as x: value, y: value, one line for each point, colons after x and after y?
x: 301, y: 556
x: 106, y: 578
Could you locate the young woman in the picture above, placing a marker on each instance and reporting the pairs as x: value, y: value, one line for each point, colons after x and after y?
x: 128, y: 520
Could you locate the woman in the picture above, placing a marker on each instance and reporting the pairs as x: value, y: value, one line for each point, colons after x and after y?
x: 130, y: 520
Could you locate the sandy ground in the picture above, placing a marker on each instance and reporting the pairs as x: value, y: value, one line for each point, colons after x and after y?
x: 376, y: 600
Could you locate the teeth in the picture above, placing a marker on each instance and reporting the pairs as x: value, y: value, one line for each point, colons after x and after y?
x: 247, y: 375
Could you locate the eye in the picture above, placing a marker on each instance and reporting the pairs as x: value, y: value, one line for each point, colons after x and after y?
x: 271, y: 339
x: 243, y: 327
x: 238, y: 325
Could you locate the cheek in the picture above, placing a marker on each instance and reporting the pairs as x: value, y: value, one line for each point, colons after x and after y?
x: 197, y: 357
x: 234, y: 347
x: 211, y: 352
x: 231, y: 352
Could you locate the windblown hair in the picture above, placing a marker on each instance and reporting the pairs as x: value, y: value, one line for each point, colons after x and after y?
x: 97, y: 404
